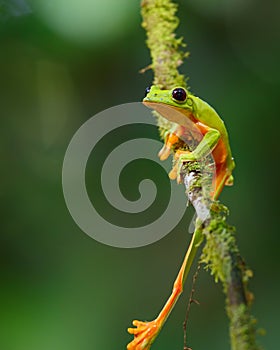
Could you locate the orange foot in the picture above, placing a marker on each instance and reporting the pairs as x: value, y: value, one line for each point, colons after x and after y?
x: 144, y: 334
x: 175, y: 171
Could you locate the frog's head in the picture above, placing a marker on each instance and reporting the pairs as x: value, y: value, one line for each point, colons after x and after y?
x: 166, y: 102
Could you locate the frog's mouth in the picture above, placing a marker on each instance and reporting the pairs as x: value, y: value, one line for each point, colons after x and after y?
x: 174, y: 114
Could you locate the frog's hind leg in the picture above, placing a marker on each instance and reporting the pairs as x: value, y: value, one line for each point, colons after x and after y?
x: 223, y: 177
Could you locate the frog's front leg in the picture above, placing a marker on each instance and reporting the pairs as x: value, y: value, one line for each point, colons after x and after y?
x: 205, y: 147
x: 172, y: 138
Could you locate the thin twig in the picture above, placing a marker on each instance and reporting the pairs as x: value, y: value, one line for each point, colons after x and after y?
x: 191, y: 300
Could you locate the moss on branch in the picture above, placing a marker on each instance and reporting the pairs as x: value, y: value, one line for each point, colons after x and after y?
x: 222, y: 258
x: 160, y: 23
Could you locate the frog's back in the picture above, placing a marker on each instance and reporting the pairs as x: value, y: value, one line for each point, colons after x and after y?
x: 207, y: 115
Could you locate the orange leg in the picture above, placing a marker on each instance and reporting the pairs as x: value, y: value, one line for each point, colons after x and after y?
x: 171, y: 140
x: 223, y: 177
x: 146, y: 332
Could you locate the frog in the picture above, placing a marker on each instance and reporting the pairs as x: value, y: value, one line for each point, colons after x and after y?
x: 188, y: 115
x: 190, y: 112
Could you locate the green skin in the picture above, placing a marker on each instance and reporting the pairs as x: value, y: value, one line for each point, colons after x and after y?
x: 193, y: 107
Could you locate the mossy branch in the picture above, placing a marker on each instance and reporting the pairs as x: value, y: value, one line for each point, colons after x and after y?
x: 220, y: 253
x: 160, y: 23
x: 222, y: 258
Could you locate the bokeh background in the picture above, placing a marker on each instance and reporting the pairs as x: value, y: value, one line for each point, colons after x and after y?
x: 62, y: 62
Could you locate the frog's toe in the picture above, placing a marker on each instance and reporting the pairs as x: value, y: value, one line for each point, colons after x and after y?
x: 229, y: 181
x: 164, y: 153
x: 173, y: 173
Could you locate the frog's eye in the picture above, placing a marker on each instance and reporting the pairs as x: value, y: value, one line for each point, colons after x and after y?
x: 148, y: 89
x: 179, y: 95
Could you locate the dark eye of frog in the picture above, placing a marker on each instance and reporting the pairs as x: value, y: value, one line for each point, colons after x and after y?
x: 148, y: 89
x: 179, y: 95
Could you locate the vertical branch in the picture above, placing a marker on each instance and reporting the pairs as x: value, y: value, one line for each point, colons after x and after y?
x: 222, y: 258
x: 220, y: 253
x: 160, y: 23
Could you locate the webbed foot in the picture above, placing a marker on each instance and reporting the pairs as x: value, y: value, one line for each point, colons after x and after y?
x: 144, y: 334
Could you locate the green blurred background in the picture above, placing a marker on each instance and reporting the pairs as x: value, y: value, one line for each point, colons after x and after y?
x: 62, y: 62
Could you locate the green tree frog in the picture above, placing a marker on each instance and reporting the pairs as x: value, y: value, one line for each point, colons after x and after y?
x: 192, y: 115
x: 191, y: 112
